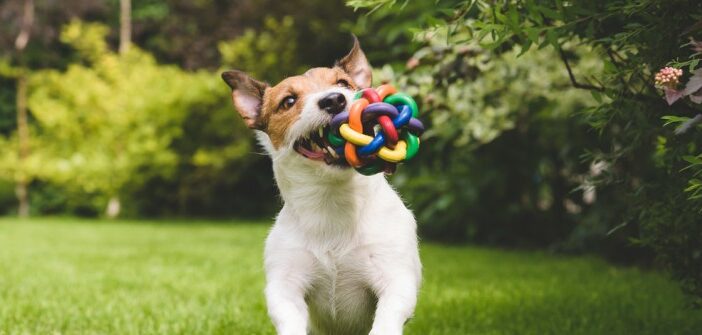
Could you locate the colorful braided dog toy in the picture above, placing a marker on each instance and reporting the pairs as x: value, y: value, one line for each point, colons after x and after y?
x: 380, y: 130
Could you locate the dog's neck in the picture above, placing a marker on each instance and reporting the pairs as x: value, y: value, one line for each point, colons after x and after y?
x: 327, y: 202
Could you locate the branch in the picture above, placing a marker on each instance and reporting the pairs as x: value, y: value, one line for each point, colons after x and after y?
x: 612, y: 55
x: 575, y: 83
x: 647, y: 83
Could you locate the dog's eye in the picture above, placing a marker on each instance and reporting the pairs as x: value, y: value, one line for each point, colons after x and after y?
x: 343, y: 83
x: 288, y: 102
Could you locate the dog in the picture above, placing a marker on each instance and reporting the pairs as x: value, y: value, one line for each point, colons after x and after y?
x: 342, y: 256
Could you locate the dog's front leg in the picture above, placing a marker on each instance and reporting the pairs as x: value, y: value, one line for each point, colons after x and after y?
x: 288, y: 275
x: 287, y: 307
x: 397, y: 297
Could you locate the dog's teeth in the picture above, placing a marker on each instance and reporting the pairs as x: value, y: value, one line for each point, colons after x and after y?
x: 332, y: 152
x: 321, y: 132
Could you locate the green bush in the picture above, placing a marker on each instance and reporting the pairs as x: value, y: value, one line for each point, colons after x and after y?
x: 639, y: 169
x: 8, y: 201
x: 502, y: 136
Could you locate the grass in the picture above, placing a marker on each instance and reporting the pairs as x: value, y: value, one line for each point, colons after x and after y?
x: 90, y: 277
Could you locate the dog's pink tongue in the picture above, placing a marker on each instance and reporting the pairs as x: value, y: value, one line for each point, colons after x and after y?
x: 311, y: 154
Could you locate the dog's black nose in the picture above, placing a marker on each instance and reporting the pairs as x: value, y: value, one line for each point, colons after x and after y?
x: 334, y: 103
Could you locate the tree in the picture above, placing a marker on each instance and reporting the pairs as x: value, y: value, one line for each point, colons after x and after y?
x: 26, y: 45
x: 21, y: 105
x: 114, y: 204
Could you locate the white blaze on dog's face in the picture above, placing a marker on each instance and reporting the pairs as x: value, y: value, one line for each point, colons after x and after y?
x: 296, y: 112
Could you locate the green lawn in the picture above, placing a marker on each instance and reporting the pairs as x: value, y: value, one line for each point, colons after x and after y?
x: 89, y: 277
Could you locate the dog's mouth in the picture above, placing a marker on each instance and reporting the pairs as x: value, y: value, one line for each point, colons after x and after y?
x: 316, y: 147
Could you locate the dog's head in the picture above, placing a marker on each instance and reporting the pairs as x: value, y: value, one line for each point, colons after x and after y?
x: 295, y: 113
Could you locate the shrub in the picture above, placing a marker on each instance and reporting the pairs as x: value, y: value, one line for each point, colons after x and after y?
x: 639, y: 168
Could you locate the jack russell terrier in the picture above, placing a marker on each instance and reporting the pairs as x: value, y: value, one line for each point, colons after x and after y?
x: 342, y: 256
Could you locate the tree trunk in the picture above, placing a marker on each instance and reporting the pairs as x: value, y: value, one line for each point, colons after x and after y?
x: 21, y: 103
x: 23, y: 139
x: 26, y: 26
x: 114, y: 207
x: 125, y: 28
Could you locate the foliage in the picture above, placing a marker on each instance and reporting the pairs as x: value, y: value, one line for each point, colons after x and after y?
x: 8, y: 120
x: 209, y: 275
x: 685, y: 124
x: 671, y: 226
x: 515, y: 117
x: 171, y: 28
x: 124, y: 125
x: 638, y: 159
x: 211, y: 156
x: 268, y: 54
x: 111, y: 117
x: 8, y: 201
x: 668, y: 228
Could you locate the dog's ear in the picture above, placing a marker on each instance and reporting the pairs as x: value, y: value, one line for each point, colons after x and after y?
x: 356, y: 65
x: 247, y: 94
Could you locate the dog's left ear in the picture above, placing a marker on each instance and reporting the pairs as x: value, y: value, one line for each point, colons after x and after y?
x: 356, y: 65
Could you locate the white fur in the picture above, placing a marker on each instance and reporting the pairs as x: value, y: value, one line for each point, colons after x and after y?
x: 342, y: 257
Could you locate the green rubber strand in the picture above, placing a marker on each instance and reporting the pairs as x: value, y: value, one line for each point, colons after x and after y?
x: 370, y: 169
x: 412, y: 145
x: 335, y: 141
x: 403, y: 99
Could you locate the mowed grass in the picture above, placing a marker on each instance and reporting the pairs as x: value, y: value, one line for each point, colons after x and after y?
x: 64, y: 276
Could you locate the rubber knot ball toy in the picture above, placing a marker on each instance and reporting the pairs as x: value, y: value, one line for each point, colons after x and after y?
x: 379, y: 131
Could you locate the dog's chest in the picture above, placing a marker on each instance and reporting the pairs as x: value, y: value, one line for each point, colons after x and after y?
x: 340, y: 300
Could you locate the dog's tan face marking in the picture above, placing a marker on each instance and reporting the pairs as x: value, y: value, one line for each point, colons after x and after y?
x: 278, y: 116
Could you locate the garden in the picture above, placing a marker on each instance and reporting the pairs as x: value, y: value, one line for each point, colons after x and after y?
x: 557, y: 189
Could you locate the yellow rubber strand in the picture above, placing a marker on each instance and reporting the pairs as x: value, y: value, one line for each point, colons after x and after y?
x: 389, y: 155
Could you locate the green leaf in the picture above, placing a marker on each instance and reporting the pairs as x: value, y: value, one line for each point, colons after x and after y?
x: 550, y: 13
x: 525, y: 47
x: 672, y: 119
x: 693, y: 159
x: 552, y: 37
x: 597, y: 96
x: 533, y: 34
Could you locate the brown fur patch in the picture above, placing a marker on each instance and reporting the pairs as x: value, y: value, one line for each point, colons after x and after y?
x: 278, y: 119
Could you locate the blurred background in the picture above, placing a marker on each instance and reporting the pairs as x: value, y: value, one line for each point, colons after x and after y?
x: 548, y: 128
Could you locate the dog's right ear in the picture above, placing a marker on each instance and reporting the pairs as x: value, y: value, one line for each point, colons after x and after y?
x: 247, y: 94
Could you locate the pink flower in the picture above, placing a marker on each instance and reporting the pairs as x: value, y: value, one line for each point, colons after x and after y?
x: 693, y: 88
x: 668, y: 77
x: 696, y: 45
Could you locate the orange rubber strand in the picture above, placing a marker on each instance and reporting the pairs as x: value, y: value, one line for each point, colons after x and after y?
x: 385, y: 90
x: 355, y: 123
x: 350, y: 154
x: 355, y: 114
